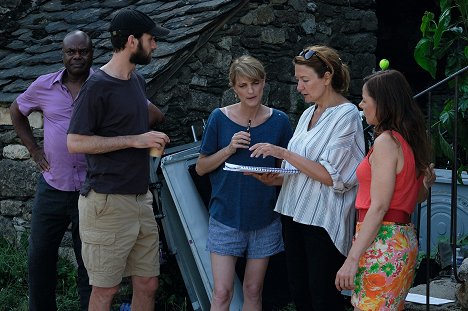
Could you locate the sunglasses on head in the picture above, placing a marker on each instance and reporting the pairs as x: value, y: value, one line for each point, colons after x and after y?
x: 308, y: 54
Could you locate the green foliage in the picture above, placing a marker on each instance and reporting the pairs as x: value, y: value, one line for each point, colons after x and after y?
x: 289, y: 307
x: 67, y: 293
x: 14, y: 282
x: 442, y: 38
x: 463, y: 240
x: 171, y: 296
x: 124, y: 295
x: 444, y: 41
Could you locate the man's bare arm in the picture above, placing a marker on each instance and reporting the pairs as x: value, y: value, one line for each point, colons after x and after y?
x: 98, y: 144
x: 155, y: 115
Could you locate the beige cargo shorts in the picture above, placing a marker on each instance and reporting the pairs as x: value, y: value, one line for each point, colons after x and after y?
x: 119, y: 236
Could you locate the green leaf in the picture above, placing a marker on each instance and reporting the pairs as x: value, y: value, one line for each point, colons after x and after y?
x: 444, y: 22
x: 427, y: 18
x: 442, y: 50
x: 444, y: 4
x: 463, y: 8
x: 457, y: 60
x: 445, y: 40
x: 463, y: 168
x: 462, y: 137
x: 446, y: 116
x: 463, y: 105
x: 455, y: 30
x: 423, y: 56
x: 460, y: 170
x: 445, y: 147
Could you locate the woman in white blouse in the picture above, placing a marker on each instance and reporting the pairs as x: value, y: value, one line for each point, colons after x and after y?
x: 317, y: 205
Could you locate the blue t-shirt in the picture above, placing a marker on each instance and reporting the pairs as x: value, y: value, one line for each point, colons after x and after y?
x: 240, y: 201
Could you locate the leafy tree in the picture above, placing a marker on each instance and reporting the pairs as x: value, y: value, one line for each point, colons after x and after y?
x: 444, y: 44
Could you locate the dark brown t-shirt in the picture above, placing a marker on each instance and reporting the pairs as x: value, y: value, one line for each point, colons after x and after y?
x: 109, y: 107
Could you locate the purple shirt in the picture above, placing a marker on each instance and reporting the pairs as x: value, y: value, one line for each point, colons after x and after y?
x: 48, y: 94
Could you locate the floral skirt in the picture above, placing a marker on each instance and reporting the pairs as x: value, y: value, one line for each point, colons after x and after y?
x: 386, y: 270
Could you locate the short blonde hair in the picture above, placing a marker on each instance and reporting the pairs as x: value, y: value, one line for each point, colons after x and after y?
x: 246, y: 66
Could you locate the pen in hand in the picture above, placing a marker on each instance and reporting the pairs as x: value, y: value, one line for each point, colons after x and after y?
x: 248, y: 126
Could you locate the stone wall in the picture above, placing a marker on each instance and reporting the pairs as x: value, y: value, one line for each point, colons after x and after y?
x: 273, y: 31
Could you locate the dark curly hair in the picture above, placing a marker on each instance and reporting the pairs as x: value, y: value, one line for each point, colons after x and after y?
x: 119, y: 39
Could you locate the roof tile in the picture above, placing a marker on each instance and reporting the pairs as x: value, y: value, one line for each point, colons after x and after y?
x: 33, y: 47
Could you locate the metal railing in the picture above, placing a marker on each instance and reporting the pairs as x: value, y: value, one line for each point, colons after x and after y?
x: 453, y: 196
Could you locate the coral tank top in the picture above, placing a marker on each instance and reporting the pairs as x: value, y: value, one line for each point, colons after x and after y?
x: 407, y: 183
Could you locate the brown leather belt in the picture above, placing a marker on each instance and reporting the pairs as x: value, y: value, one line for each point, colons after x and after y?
x: 392, y: 215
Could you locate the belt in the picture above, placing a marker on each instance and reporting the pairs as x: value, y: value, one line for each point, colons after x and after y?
x: 392, y: 215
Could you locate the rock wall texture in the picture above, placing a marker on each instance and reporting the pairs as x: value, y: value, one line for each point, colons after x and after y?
x: 273, y: 31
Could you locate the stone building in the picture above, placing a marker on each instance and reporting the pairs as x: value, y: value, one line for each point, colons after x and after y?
x: 188, y: 76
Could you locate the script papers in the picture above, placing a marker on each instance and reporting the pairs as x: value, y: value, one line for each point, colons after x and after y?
x: 259, y: 169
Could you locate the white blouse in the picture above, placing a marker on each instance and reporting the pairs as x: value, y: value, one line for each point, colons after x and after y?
x: 336, y: 141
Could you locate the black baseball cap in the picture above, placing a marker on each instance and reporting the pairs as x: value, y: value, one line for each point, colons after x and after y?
x: 132, y: 22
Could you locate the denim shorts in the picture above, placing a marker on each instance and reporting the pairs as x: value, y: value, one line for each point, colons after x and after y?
x: 226, y: 241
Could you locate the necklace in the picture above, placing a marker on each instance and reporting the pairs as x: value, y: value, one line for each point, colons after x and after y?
x: 252, y: 119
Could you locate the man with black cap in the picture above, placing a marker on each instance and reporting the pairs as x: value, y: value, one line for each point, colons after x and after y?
x: 111, y: 125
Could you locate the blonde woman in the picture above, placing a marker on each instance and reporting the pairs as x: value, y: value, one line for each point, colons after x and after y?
x: 242, y: 221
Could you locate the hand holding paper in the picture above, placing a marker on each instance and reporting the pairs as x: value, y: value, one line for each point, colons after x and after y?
x: 269, y: 179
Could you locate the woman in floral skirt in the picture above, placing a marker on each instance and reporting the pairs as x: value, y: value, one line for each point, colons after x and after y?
x: 393, y: 177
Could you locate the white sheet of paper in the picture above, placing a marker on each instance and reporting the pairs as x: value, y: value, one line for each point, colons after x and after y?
x: 422, y: 299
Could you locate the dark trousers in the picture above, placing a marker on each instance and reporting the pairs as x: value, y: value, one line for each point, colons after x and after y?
x: 312, y: 261
x: 53, y: 211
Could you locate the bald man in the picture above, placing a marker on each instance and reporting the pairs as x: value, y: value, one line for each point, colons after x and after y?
x: 56, y: 201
